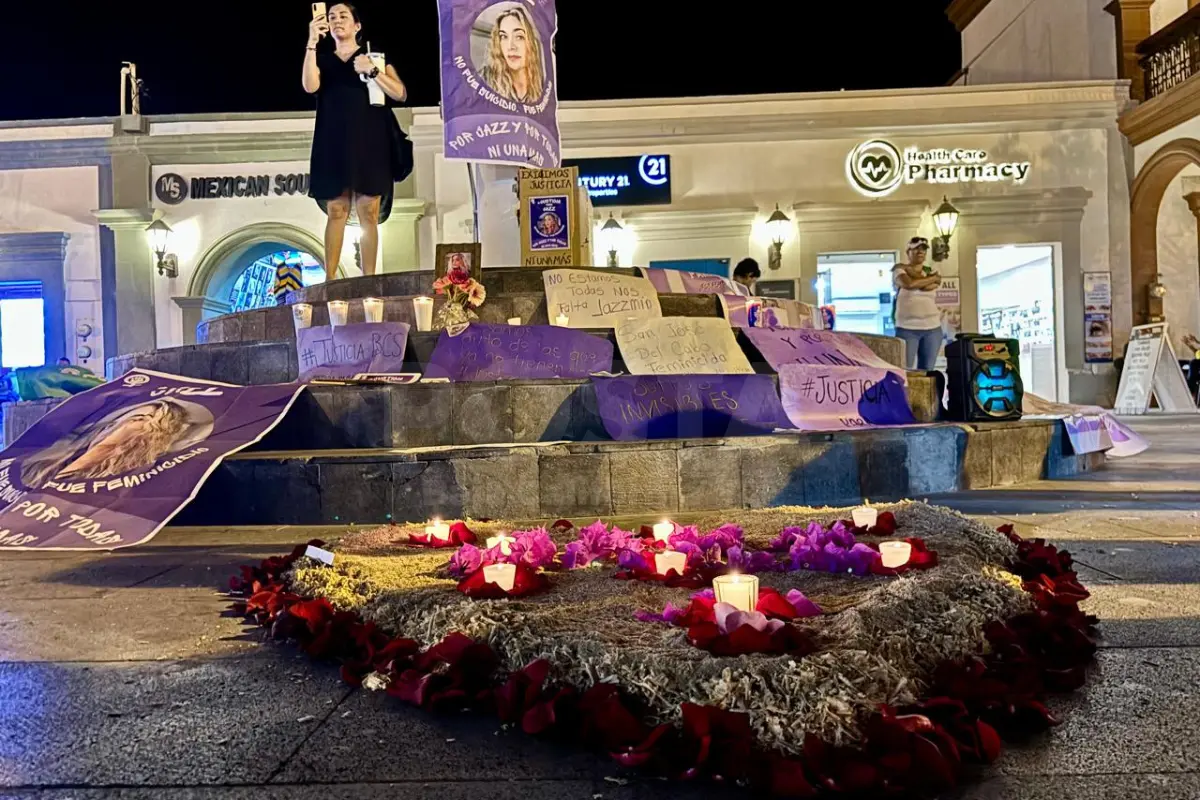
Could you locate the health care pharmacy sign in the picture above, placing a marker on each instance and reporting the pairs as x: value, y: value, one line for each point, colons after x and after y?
x: 876, y: 168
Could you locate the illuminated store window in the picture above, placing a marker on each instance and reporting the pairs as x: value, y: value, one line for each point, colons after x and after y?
x: 859, y: 287
x: 22, y: 325
x: 253, y: 288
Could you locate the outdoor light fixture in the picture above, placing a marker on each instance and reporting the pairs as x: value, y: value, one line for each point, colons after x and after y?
x: 160, y: 240
x: 945, y: 219
x: 1158, y: 289
x: 778, y: 226
x: 610, y: 238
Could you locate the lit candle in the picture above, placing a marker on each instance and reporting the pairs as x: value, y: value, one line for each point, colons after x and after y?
x: 302, y: 316
x: 504, y: 541
x: 438, y: 531
x: 503, y: 575
x: 423, y: 307
x: 562, y: 320
x: 372, y: 309
x: 514, y: 320
x: 865, y: 517
x: 663, y: 531
x: 895, y: 554
x: 339, y: 311
x: 739, y: 591
x: 669, y: 560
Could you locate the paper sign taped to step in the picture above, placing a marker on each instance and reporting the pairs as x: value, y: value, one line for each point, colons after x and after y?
x: 375, y: 348
x: 681, y: 346
x: 577, y: 298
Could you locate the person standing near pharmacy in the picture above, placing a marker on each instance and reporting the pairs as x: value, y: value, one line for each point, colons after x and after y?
x: 359, y: 152
x: 918, y: 318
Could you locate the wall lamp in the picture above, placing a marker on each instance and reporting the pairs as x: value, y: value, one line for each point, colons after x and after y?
x: 160, y: 240
x: 611, y: 235
x: 945, y: 219
x: 778, y: 227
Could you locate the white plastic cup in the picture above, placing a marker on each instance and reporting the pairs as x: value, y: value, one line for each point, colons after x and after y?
x: 378, y: 98
x: 423, y: 310
x: 372, y: 309
x: 339, y: 312
x: 302, y: 316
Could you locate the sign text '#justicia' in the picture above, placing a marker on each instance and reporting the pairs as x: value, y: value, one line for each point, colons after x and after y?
x: 960, y: 166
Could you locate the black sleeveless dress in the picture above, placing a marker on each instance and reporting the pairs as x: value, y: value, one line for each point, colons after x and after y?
x: 357, y: 147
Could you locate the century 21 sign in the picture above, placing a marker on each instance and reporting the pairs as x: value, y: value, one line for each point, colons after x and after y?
x: 877, y: 168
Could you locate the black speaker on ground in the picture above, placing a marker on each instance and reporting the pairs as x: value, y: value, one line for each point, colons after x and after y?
x: 984, y: 378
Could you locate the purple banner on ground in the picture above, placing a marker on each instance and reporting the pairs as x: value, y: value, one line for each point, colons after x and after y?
x: 326, y: 353
x: 1088, y: 433
x: 827, y: 348
x: 820, y: 398
x: 499, y: 82
x: 506, y: 352
x: 688, y: 406
x: 110, y: 467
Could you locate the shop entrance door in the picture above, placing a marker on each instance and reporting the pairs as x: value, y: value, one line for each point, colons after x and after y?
x: 22, y: 325
x: 1018, y: 299
x: 859, y: 287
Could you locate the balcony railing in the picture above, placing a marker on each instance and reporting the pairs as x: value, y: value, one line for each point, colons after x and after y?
x: 1171, y: 56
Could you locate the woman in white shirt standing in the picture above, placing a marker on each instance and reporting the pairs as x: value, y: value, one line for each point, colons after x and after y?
x: 918, y: 320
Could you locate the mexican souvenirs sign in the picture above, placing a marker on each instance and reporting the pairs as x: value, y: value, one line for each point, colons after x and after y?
x: 108, y: 468
x: 769, y: 312
x: 681, y: 346
x: 505, y: 352
x: 675, y: 281
x: 342, y: 352
x: 688, y: 406
x: 499, y: 83
x: 597, y: 299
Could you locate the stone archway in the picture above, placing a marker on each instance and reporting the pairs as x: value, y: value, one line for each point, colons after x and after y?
x: 1146, y: 198
x: 220, y: 265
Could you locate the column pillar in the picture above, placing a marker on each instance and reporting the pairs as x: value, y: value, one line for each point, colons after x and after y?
x: 400, y: 236
x: 1133, y: 27
x: 133, y: 289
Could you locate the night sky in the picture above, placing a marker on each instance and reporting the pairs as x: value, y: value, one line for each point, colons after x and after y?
x: 246, y: 56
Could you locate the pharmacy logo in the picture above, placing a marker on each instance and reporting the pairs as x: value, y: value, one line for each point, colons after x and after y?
x: 875, y: 168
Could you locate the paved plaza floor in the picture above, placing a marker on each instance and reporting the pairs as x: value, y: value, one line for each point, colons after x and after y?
x: 122, y: 675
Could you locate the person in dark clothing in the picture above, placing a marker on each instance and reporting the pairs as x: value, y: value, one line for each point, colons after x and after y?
x: 358, y: 150
x: 747, y: 273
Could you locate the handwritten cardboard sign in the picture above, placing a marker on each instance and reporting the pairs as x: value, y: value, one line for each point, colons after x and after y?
x: 681, y: 346
x: 780, y: 346
x: 593, y: 299
x: 676, y: 281
x: 499, y: 352
x: 823, y: 398
x: 688, y: 406
x: 769, y: 312
x: 349, y: 350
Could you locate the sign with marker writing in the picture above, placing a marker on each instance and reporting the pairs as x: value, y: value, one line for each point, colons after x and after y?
x: 681, y: 346
x: 688, y: 406
x: 780, y: 347
x: 596, y: 299
x: 376, y: 348
x: 502, y: 352
x: 1152, y: 368
x: 769, y: 312
x: 820, y: 398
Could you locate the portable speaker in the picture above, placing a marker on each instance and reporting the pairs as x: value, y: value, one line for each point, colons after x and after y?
x: 984, y: 376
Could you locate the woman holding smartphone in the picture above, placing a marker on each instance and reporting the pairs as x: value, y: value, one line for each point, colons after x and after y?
x: 358, y: 151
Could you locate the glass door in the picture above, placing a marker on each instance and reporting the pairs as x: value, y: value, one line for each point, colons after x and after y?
x: 1017, y: 301
x: 22, y: 325
x: 859, y: 287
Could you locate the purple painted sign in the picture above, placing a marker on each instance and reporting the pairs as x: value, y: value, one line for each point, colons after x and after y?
x: 505, y: 352
x: 499, y: 82
x: 780, y: 346
x: 824, y: 398
x: 1088, y: 433
x: 110, y: 467
x: 688, y: 406
x: 326, y: 353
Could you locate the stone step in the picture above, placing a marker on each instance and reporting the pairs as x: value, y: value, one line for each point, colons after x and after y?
x: 614, y: 478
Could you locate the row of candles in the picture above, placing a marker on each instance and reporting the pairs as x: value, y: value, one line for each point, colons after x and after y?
x: 339, y: 313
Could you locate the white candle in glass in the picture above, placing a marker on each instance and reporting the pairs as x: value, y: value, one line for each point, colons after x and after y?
x: 423, y: 308
x: 663, y: 531
x: 739, y: 591
x: 562, y: 320
x: 895, y: 554
x: 439, y: 531
x: 865, y: 517
x: 514, y: 320
x: 504, y: 541
x: 302, y: 316
x: 503, y: 575
x: 372, y: 309
x: 669, y: 560
x: 339, y: 312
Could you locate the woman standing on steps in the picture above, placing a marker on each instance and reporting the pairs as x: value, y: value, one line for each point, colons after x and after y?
x: 359, y: 152
x: 918, y: 319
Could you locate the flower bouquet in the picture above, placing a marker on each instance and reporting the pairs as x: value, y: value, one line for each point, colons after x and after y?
x: 463, y: 295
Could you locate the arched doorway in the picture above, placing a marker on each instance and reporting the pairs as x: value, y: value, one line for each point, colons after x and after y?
x: 1145, y: 202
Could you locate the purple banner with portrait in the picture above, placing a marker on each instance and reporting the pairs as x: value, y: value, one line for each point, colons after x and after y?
x: 110, y: 467
x: 830, y: 398
x: 689, y: 406
x: 507, y: 352
x: 342, y: 352
x: 499, y: 83
x: 780, y: 346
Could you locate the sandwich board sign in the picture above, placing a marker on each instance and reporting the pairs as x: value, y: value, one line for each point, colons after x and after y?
x: 1152, y: 369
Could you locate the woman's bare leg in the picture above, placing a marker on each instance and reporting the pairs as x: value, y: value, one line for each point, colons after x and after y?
x: 337, y: 212
x: 368, y: 220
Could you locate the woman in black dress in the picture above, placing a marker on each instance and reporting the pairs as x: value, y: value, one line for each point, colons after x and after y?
x: 359, y: 151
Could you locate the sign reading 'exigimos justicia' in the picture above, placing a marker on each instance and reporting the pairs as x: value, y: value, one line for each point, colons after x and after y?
x: 877, y: 168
